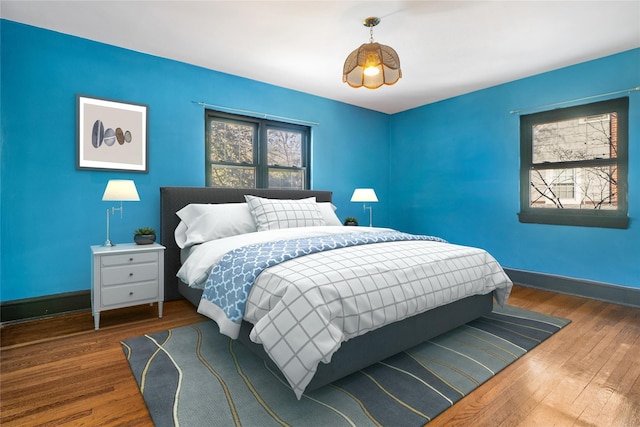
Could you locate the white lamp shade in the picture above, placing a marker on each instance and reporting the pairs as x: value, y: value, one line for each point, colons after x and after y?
x: 364, y: 195
x: 122, y: 190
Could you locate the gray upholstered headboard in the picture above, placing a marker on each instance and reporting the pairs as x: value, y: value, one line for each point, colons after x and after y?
x: 172, y: 199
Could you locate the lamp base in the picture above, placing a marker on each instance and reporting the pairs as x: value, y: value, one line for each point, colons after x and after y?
x: 365, y: 207
x: 107, y: 242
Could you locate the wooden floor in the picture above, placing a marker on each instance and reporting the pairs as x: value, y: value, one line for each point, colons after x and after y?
x: 60, y: 371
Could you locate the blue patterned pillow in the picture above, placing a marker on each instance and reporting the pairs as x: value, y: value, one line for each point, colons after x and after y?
x: 273, y: 214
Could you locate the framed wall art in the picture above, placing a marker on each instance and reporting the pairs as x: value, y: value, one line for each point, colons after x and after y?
x: 111, y: 135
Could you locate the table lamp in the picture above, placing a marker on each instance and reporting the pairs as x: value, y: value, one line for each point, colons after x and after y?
x: 119, y: 190
x: 365, y: 195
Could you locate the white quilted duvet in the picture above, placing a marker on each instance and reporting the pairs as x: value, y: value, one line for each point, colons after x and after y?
x: 304, y: 308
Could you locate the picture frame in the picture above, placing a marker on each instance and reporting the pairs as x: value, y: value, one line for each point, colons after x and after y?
x: 111, y: 135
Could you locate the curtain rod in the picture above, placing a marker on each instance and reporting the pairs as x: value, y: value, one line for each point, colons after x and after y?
x: 256, y: 113
x: 575, y: 100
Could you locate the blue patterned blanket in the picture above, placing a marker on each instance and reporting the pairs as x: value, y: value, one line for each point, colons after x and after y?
x: 230, y: 281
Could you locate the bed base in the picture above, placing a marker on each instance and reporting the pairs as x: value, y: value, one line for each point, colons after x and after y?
x: 354, y: 354
x: 376, y: 345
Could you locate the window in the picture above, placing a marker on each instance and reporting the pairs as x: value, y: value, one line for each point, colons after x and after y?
x: 573, y: 165
x: 246, y: 152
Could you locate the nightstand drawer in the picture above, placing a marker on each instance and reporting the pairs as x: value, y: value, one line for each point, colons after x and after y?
x: 129, y: 274
x: 129, y: 293
x: 132, y: 258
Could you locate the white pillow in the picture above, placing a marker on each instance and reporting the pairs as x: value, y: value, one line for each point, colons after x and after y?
x: 181, y: 234
x: 273, y: 214
x: 206, y: 222
x: 328, y: 213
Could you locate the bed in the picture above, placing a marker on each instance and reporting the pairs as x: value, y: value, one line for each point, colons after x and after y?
x: 356, y: 352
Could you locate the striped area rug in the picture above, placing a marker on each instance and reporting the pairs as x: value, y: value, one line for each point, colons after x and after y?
x: 193, y: 376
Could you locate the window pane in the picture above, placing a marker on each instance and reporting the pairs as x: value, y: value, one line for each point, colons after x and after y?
x: 583, y: 138
x: 284, y: 148
x: 578, y: 188
x: 279, y: 178
x: 232, y: 176
x: 231, y: 142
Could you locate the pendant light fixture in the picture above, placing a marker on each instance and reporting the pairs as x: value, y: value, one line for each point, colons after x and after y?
x: 372, y: 64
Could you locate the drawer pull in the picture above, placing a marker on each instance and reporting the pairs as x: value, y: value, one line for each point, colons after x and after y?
x: 130, y: 259
x: 130, y: 293
x: 130, y: 274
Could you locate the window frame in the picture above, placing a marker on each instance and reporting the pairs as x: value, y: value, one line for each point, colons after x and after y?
x: 614, y: 218
x: 260, y: 147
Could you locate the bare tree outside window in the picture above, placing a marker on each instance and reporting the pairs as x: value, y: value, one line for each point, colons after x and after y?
x: 574, y: 160
x: 581, y: 139
x: 284, y: 156
x: 231, y: 145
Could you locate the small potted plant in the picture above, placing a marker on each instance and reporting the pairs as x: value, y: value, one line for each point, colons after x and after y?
x: 144, y: 236
x: 351, y: 221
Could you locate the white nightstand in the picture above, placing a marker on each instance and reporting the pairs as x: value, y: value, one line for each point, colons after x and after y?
x: 126, y: 274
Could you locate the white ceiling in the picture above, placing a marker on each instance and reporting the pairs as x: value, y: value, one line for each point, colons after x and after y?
x: 446, y: 48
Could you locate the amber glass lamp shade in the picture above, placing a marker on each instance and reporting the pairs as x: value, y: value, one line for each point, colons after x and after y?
x: 372, y: 65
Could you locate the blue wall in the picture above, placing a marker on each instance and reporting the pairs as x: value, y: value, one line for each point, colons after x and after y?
x: 455, y: 173
x: 449, y: 168
x: 51, y: 212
